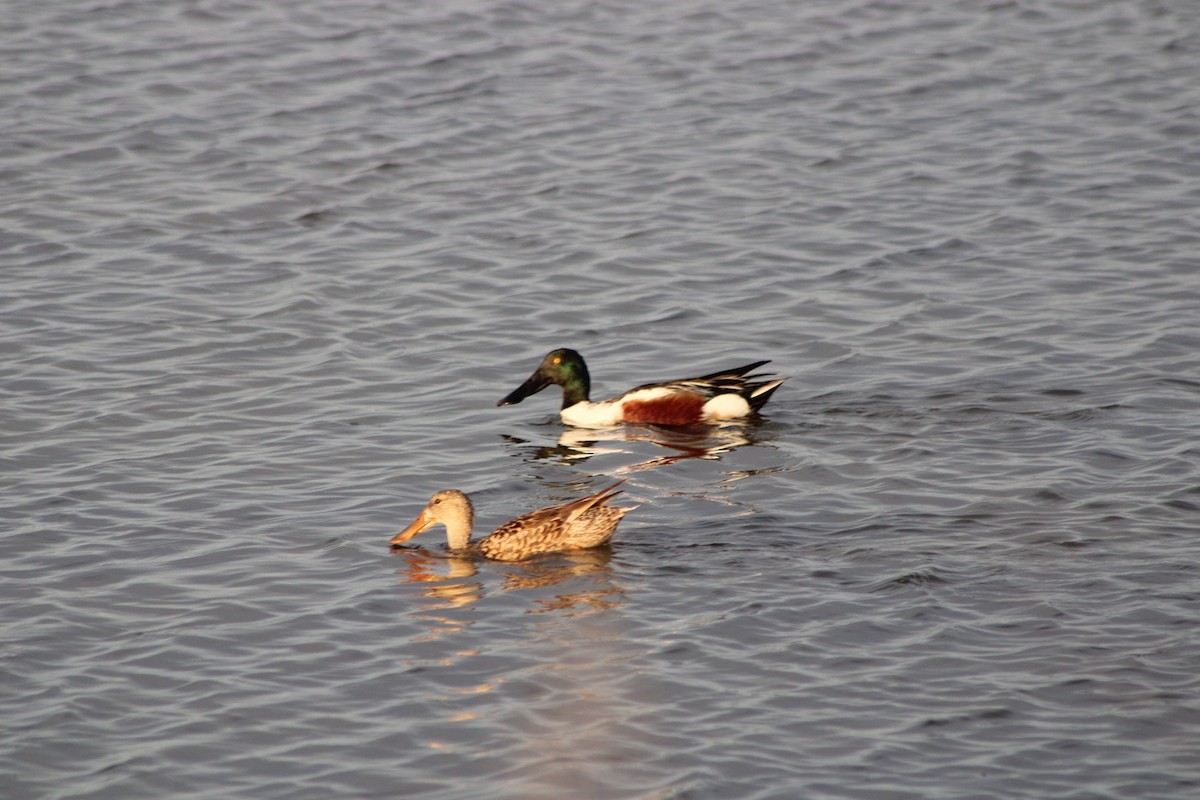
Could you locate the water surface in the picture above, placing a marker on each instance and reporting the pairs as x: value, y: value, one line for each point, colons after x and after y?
x: 267, y: 269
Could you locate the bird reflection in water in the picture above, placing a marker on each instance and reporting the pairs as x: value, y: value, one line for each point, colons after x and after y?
x: 454, y: 581
x: 694, y: 441
x: 448, y: 578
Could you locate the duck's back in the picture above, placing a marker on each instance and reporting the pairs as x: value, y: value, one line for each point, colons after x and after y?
x: 574, y: 525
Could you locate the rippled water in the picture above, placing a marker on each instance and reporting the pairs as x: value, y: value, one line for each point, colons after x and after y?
x: 268, y: 267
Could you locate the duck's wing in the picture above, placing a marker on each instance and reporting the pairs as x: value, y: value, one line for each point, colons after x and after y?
x: 735, y: 381
x: 567, y: 511
x: 544, y: 530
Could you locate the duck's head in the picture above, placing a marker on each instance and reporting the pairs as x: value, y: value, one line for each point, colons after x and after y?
x: 564, y: 367
x: 449, y: 507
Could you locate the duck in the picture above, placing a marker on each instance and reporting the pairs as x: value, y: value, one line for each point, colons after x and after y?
x: 578, y: 524
x: 724, y: 395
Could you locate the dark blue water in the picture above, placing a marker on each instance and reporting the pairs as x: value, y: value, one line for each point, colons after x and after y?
x: 266, y: 270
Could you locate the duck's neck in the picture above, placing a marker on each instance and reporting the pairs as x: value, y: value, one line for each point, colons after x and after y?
x: 576, y: 386
x: 458, y: 527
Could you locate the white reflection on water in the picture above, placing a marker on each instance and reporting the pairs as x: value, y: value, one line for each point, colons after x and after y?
x: 573, y: 736
x: 576, y: 445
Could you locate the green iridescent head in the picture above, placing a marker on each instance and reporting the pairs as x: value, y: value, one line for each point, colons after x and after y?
x: 563, y: 367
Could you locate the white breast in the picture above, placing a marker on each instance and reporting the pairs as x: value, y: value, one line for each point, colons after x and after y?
x: 592, y: 415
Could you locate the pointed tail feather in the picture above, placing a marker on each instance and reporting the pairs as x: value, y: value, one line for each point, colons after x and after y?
x: 762, y: 393
x: 731, y: 373
x: 604, y: 495
x: 595, y: 499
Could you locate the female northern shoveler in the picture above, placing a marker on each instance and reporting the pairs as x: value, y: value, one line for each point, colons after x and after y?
x: 729, y: 394
x: 574, y: 525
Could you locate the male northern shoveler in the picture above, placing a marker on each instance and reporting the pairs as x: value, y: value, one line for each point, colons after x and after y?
x: 574, y: 525
x: 728, y: 394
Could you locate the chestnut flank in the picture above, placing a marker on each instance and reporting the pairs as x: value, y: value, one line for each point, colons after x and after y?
x: 677, y: 409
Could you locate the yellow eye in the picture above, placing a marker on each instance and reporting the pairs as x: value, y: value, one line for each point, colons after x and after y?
x: 557, y: 360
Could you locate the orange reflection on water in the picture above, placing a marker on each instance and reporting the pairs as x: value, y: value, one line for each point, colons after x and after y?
x: 454, y: 581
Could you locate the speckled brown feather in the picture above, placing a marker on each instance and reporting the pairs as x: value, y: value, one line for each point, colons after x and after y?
x: 574, y: 525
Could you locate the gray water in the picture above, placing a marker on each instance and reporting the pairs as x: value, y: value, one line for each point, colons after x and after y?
x: 267, y: 267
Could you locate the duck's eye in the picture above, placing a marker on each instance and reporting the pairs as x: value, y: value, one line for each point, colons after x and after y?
x: 557, y: 360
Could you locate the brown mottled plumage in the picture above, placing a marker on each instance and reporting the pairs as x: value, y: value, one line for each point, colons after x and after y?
x: 574, y: 525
